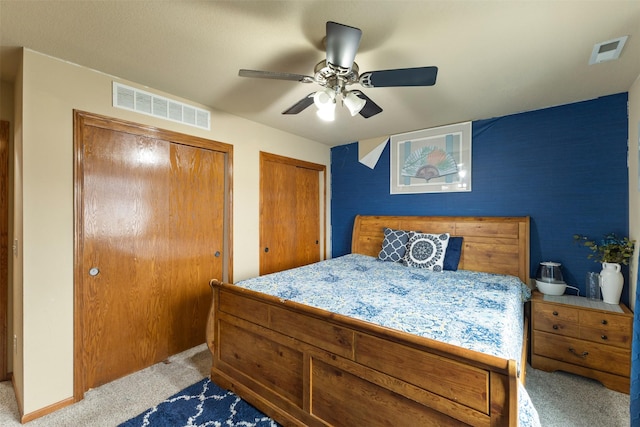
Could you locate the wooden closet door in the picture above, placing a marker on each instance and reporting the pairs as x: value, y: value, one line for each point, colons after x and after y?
x: 277, y: 217
x: 289, y: 213
x: 125, y: 253
x: 196, y: 240
x: 152, y: 220
x: 308, y: 209
x: 4, y: 247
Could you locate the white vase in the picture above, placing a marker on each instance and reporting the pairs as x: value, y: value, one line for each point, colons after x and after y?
x: 611, y: 283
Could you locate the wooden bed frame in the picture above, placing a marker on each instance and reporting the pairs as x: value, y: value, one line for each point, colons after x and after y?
x: 305, y: 366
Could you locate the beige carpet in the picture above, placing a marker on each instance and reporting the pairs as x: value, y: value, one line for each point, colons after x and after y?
x: 562, y: 400
x: 120, y: 400
x: 567, y: 400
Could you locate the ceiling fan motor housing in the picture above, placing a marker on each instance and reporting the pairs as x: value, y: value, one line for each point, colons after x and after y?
x: 328, y: 75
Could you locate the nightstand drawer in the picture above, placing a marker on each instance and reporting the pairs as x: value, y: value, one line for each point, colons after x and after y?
x: 584, y: 353
x: 595, y: 319
x: 555, y: 313
x: 610, y: 336
x: 557, y: 326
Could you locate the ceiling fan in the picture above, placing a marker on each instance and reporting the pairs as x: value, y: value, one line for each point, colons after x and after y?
x: 338, y: 71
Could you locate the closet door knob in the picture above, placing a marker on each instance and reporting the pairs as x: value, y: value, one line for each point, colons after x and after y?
x: 94, y: 271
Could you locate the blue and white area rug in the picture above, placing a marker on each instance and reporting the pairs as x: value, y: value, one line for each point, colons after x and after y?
x: 199, y: 405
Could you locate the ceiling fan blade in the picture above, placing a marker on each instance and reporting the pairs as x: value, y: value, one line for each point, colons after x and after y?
x: 342, y: 45
x: 275, y: 75
x: 420, y: 76
x: 300, y: 105
x: 370, y: 108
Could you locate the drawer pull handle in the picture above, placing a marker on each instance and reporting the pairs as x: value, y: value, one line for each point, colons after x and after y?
x: 604, y: 337
x: 604, y: 322
x: 555, y: 313
x: 555, y: 327
x: 583, y: 355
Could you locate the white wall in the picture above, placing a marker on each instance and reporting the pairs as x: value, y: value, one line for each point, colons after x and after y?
x: 52, y: 89
x: 634, y: 184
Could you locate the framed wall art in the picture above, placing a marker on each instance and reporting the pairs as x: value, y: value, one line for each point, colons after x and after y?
x: 435, y: 160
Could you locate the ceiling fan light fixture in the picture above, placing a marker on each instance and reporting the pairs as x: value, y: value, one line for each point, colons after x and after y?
x: 324, y: 99
x: 327, y: 113
x: 353, y: 103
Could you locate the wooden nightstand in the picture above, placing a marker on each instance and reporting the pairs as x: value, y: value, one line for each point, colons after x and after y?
x: 588, y: 338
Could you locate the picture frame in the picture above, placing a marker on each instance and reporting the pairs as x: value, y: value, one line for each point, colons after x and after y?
x: 436, y: 160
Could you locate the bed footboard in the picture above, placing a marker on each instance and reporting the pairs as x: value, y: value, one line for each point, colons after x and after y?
x: 305, y: 366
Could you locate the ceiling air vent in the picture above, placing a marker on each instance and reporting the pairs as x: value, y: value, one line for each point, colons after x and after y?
x: 130, y: 98
x: 607, y: 51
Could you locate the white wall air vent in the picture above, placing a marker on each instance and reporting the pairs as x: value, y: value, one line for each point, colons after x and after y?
x: 607, y: 51
x: 130, y: 98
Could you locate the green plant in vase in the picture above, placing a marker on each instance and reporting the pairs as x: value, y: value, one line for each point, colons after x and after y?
x: 611, y: 248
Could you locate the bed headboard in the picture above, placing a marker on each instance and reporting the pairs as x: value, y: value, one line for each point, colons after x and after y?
x: 491, y: 244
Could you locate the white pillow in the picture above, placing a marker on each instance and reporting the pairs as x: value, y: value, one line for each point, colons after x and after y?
x: 426, y: 250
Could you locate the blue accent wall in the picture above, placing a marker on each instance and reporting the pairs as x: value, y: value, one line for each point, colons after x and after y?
x: 565, y: 167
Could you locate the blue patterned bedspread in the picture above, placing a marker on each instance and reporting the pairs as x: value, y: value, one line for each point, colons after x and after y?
x: 473, y: 310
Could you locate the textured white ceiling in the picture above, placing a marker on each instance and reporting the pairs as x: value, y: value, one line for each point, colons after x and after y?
x: 494, y: 57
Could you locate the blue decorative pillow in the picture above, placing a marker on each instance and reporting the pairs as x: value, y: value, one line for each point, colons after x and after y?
x: 394, y: 245
x: 426, y: 251
x: 452, y: 255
